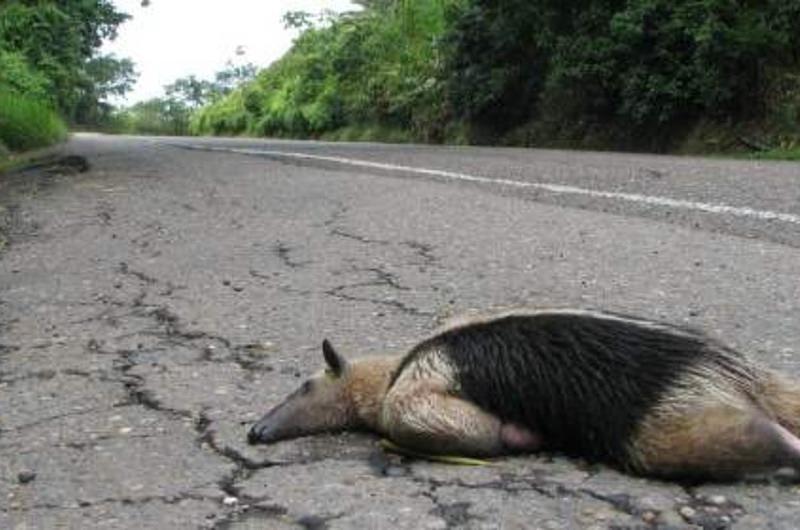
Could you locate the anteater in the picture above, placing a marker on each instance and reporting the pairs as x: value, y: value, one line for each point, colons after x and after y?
x: 647, y: 397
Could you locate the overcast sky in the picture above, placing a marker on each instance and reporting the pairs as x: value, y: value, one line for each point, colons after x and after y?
x: 175, y: 38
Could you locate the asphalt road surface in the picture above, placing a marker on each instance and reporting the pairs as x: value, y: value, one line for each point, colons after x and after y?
x: 152, y: 307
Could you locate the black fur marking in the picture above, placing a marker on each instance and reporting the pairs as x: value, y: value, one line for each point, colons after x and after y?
x: 584, y: 382
x: 335, y: 361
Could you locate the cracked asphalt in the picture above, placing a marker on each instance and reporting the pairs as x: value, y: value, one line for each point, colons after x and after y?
x: 154, y: 306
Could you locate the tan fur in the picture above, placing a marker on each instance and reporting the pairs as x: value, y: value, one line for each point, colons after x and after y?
x: 472, y: 318
x: 365, y: 387
x: 706, y: 427
x: 781, y: 397
x: 423, y: 415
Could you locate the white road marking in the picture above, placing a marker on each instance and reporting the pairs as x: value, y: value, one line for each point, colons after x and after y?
x: 716, y: 208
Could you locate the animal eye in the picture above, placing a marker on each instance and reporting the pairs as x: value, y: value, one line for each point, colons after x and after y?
x: 306, y: 388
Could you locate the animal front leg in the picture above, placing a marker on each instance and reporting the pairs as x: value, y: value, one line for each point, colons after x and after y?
x: 429, y: 420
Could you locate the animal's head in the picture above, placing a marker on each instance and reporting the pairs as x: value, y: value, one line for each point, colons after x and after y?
x: 321, y: 404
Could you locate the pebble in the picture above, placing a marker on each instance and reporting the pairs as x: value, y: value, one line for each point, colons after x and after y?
x: 395, y: 471
x: 230, y: 501
x: 25, y: 476
x: 717, y: 500
x: 688, y: 512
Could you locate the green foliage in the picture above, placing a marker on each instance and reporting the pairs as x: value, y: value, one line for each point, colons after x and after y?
x: 191, y: 91
x: 18, y: 76
x: 158, y: 116
x: 26, y: 123
x: 605, y: 73
x: 226, y: 116
x: 59, y: 40
x: 233, y: 75
x: 375, y: 68
x: 194, y: 92
x: 171, y: 115
x: 778, y: 153
x: 106, y: 76
x: 495, y: 62
x: 638, y: 70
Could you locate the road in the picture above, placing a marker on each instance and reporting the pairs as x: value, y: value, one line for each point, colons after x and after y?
x: 154, y: 306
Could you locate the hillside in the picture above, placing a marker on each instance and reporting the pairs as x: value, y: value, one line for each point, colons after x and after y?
x: 708, y: 75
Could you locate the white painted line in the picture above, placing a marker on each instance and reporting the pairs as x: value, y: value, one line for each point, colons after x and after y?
x: 716, y: 208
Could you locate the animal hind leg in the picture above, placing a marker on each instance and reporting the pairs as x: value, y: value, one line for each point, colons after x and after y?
x: 781, y: 397
x: 425, y: 417
x: 719, y: 441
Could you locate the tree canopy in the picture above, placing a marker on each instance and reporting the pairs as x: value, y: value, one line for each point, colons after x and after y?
x: 52, y: 46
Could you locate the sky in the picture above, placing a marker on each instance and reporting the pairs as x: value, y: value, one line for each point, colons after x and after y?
x: 175, y: 38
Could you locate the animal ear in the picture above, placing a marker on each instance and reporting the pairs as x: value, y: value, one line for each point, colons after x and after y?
x: 336, y: 362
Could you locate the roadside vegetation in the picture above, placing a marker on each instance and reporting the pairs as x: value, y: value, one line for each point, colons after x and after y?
x: 792, y: 154
x: 51, y: 73
x: 171, y: 114
x: 27, y: 123
x: 710, y: 76
x: 696, y: 75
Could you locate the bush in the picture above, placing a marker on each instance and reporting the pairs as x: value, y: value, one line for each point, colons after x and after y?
x: 26, y: 123
x: 638, y: 69
x: 372, y: 70
x: 17, y: 75
x: 605, y: 73
x: 158, y: 116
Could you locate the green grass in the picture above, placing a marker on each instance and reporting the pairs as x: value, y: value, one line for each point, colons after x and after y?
x: 368, y: 133
x: 779, y: 154
x: 28, y: 124
x: 15, y: 161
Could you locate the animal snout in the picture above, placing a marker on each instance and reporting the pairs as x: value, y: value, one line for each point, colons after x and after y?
x: 253, y: 436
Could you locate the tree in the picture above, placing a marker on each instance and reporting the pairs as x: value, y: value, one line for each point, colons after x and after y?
x: 190, y: 90
x: 233, y: 76
x: 157, y: 116
x: 106, y: 76
x: 195, y: 93
x: 60, y: 39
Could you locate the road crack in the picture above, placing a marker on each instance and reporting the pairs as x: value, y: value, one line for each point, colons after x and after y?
x: 284, y: 253
x: 340, y: 232
x: 338, y: 292
x: 423, y: 250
